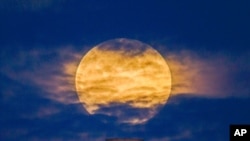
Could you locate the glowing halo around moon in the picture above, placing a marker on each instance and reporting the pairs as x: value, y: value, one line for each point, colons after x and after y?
x: 123, y: 78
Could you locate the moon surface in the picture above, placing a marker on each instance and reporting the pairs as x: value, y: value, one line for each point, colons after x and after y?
x: 125, y: 79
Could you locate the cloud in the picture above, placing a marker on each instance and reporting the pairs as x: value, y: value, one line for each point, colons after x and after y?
x: 51, y: 71
x: 54, y: 72
x: 193, y: 118
x: 194, y: 75
x: 181, y: 136
x: 125, y: 113
x: 213, y: 76
x: 198, y: 117
x: 30, y: 5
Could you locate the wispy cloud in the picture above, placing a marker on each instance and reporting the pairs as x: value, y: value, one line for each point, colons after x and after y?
x: 31, y: 5
x: 51, y: 71
x: 54, y: 72
x: 181, y: 136
x: 213, y: 76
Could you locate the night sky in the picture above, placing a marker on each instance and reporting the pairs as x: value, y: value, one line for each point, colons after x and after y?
x: 205, y: 43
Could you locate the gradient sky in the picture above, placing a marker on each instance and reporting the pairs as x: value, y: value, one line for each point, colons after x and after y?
x: 206, y: 44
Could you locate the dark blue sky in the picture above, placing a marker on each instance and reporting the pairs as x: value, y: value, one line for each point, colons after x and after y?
x: 34, y: 36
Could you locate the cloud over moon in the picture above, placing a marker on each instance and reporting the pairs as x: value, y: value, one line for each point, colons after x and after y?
x: 126, y: 72
x: 54, y: 73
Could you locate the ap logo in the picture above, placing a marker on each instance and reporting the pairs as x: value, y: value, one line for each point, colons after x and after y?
x: 239, y: 132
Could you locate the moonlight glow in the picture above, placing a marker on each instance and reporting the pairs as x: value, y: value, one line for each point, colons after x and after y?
x: 120, y: 75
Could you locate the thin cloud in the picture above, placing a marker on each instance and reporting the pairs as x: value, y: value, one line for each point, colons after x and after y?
x: 29, y: 5
x: 54, y: 72
x: 205, y: 77
x: 48, y: 70
x: 76, y: 137
x: 182, y: 136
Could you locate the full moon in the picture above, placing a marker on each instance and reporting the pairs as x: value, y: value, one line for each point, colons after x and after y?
x: 125, y: 79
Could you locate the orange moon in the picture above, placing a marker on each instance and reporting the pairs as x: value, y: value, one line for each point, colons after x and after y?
x: 121, y: 76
